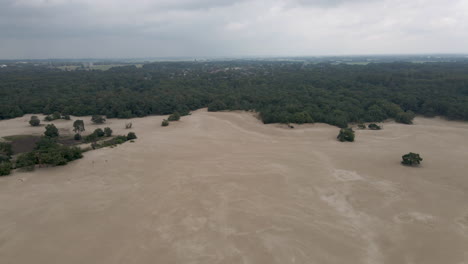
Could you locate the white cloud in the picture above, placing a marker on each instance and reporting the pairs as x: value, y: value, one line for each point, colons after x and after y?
x: 145, y: 28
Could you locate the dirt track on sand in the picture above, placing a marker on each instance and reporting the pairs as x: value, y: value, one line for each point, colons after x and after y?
x: 224, y: 188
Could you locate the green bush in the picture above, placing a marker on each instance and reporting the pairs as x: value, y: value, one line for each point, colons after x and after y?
x: 361, y: 126
x: 6, y: 149
x: 411, y: 159
x: 99, y: 132
x: 108, y: 131
x: 165, y: 123
x: 97, y: 119
x: 346, y: 134
x: 34, y: 121
x: 174, y: 117
x: 131, y: 136
x: 405, y: 117
x: 77, y: 136
x: 51, y: 131
x: 374, y: 127
x: 5, y: 168
x: 26, y: 161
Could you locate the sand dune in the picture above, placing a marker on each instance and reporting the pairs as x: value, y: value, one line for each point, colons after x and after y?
x: 224, y: 188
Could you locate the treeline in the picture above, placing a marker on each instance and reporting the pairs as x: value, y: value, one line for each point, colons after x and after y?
x: 286, y: 92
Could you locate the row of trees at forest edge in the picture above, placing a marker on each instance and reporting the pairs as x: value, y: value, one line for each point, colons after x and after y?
x: 281, y: 91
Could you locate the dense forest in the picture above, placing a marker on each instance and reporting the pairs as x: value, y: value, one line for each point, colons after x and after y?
x: 281, y: 91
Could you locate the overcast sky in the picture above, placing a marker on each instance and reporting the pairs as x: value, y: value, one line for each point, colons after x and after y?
x: 198, y: 28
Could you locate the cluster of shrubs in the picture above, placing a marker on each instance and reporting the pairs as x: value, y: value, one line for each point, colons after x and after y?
x: 55, y: 116
x: 98, y: 133
x: 114, y: 141
x: 46, y: 152
x: 173, y: 117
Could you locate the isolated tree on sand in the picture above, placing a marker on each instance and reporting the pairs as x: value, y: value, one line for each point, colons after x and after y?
x: 97, y: 119
x: 411, y: 159
x: 51, y: 131
x: 346, y: 134
x: 78, y: 126
x: 108, y: 131
x: 374, y: 127
x: 34, y: 121
x: 165, y: 123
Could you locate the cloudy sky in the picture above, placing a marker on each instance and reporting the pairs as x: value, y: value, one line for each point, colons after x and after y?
x: 198, y: 28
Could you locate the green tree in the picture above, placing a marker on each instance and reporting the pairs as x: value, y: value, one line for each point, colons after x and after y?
x: 99, y: 132
x: 108, y: 131
x: 411, y: 159
x: 174, y: 117
x: 51, y: 131
x: 5, y: 168
x: 346, y: 134
x: 131, y: 136
x: 34, y: 121
x: 78, y: 126
x: 405, y: 117
x: 98, y: 119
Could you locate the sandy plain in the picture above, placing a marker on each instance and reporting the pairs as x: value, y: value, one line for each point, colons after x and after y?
x: 224, y: 188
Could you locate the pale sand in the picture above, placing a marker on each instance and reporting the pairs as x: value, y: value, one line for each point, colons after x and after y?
x: 224, y: 188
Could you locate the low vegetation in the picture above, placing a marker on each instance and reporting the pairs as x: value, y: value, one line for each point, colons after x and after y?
x: 35, y: 121
x: 346, y: 134
x: 374, y: 126
x: 55, y: 116
x: 174, y: 117
x: 51, y: 131
x: 164, y: 123
x: 98, y: 119
x: 411, y: 159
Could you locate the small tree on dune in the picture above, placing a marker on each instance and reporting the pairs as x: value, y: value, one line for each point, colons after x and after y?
x: 34, y: 121
x: 165, y: 123
x: 51, y: 131
x: 108, y: 131
x: 411, y: 159
x: 78, y: 126
x: 346, y: 134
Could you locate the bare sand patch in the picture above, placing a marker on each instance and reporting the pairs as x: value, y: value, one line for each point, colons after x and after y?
x: 224, y: 188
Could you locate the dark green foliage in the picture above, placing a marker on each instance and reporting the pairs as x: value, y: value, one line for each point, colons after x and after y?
x: 217, y: 106
x: 6, y: 148
x: 165, y: 123
x: 361, y: 126
x: 78, y: 126
x: 26, y: 161
x: 411, y: 159
x: 34, y: 121
x: 49, y: 152
x: 56, y: 115
x: 77, y: 136
x: 174, y: 117
x: 346, y: 134
x: 91, y: 137
x: 131, y: 136
x: 111, y: 142
x: 405, y: 117
x: 5, y: 168
x: 98, y: 119
x: 281, y: 91
x: 374, y: 127
x: 108, y: 131
x: 99, y: 132
x: 51, y: 131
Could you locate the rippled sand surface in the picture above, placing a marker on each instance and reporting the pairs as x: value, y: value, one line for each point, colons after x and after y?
x: 224, y: 188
